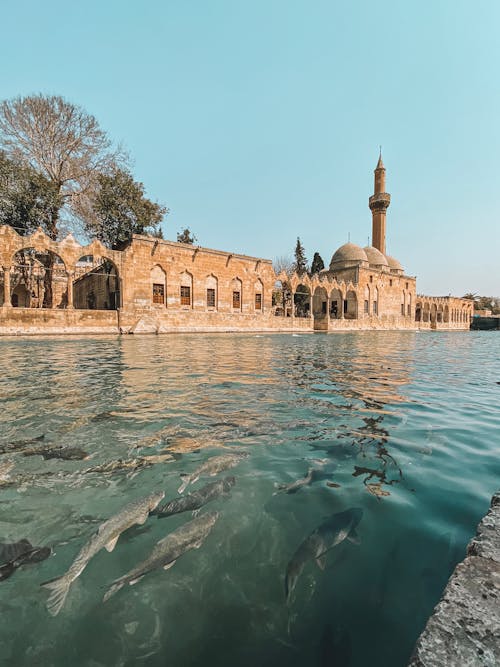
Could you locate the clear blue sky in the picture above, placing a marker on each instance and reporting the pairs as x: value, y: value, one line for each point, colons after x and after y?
x: 259, y: 121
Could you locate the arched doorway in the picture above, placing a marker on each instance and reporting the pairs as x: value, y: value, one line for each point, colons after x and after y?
x: 282, y: 299
x: 351, y: 306
x: 336, y: 302
x: 320, y: 308
x: 302, y: 301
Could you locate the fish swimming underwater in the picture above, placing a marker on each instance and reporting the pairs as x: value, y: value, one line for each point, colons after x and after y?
x: 330, y: 533
x: 120, y: 465
x: 189, y: 536
x: 19, y: 445
x: 195, y: 500
x: 33, y: 555
x: 107, y: 536
x: 64, y: 453
x: 11, y: 550
x: 211, y: 467
x: 311, y: 476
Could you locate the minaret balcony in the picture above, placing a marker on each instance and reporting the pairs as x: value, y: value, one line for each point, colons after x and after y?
x: 380, y: 201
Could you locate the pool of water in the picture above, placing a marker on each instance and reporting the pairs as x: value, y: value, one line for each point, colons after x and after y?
x: 403, y: 426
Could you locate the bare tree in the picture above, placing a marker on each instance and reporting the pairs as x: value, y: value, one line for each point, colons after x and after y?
x: 284, y: 263
x: 61, y: 142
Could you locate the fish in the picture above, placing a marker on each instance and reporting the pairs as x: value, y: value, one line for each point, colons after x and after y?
x: 165, y: 553
x: 334, y: 530
x: 212, y: 467
x: 64, y: 453
x: 33, y: 555
x: 195, y: 500
x: 107, y: 536
x: 11, y: 550
x: 161, y: 437
x: 311, y: 476
x: 20, y: 444
x: 130, y: 464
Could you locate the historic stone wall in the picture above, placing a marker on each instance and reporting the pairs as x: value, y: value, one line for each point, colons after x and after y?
x: 31, y: 321
x: 162, y: 286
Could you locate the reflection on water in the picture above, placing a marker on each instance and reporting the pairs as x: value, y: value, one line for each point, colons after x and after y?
x: 400, y: 425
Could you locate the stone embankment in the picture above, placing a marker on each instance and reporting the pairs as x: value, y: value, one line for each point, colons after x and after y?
x: 464, y: 629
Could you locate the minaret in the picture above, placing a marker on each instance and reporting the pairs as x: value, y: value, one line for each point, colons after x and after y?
x: 379, y: 203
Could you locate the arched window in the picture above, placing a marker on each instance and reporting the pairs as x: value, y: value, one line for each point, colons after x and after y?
x: 211, y: 286
x: 258, y: 295
x: 158, y: 286
x: 375, y: 302
x: 236, y: 297
x: 186, y: 290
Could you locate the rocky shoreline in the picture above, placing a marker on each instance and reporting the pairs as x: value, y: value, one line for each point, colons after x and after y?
x: 465, y: 626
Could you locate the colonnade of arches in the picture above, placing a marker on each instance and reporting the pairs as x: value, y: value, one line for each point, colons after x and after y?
x: 301, y: 300
x: 37, y: 272
x: 437, y: 312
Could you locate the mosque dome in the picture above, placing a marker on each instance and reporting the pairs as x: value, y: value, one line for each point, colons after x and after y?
x: 375, y: 257
x: 349, y: 254
x: 394, y: 265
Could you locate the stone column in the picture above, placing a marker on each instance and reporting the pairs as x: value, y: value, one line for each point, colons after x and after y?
x: 6, y: 287
x: 69, y: 289
x: 341, y: 316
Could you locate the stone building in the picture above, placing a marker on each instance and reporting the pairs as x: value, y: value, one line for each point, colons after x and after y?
x: 154, y: 285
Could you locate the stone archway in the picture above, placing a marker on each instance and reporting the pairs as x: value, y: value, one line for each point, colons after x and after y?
x: 96, y: 284
x: 336, y: 304
x: 302, y: 301
x: 320, y: 308
x: 351, y: 306
x: 37, y: 279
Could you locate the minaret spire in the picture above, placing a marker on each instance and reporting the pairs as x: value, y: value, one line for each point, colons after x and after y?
x: 379, y: 203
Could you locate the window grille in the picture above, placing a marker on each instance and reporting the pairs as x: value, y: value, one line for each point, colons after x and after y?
x: 237, y: 300
x: 185, y: 296
x: 158, y: 293
x: 210, y: 297
x: 258, y: 301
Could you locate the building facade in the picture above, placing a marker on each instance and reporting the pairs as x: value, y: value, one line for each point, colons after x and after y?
x: 157, y: 286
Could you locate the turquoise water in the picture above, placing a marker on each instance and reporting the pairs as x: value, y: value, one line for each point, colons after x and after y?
x: 403, y: 425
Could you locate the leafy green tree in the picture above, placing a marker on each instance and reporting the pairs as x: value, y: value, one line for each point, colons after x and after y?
x: 186, y: 236
x: 317, y: 264
x: 119, y: 209
x: 300, y: 262
x: 28, y: 200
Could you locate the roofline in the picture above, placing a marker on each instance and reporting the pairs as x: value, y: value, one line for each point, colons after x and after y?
x: 189, y: 246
